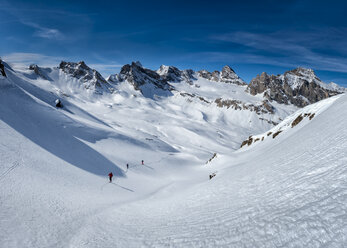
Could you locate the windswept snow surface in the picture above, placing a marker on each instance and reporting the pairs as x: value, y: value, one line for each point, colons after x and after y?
x: 290, y: 191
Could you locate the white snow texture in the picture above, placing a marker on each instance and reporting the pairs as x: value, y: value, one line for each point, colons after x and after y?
x: 287, y: 191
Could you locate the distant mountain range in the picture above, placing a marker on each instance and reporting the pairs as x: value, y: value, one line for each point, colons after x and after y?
x: 267, y: 99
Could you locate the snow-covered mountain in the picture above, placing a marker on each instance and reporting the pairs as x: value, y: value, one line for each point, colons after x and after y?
x: 90, y: 78
x: 286, y: 189
x: 227, y: 75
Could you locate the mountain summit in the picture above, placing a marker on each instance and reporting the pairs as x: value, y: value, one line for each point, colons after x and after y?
x: 227, y: 75
x: 300, y: 87
x: 90, y: 78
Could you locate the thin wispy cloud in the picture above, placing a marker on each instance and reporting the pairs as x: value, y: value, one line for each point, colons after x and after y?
x: 28, y: 18
x: 43, y: 32
x: 25, y: 59
x: 289, y: 48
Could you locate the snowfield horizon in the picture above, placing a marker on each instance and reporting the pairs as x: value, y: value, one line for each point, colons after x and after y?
x: 200, y: 159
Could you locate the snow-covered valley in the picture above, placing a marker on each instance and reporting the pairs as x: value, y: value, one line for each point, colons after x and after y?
x: 284, y: 191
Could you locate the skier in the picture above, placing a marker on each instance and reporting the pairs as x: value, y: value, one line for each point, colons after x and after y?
x: 143, y: 162
x: 110, y: 175
x: 127, y: 166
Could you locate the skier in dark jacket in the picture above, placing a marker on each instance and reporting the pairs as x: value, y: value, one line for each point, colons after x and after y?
x: 110, y: 175
x: 127, y: 166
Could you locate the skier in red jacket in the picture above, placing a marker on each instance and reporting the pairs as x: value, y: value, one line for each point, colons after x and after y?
x: 110, y: 175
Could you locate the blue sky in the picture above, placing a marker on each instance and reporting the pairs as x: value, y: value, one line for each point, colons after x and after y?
x: 250, y: 36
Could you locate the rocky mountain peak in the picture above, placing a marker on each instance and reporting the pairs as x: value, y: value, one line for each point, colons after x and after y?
x: 300, y: 71
x: 139, y: 76
x: 90, y: 78
x: 137, y: 63
x: 300, y: 87
x: 227, y: 70
x: 227, y: 75
x: 170, y: 73
x: 41, y: 72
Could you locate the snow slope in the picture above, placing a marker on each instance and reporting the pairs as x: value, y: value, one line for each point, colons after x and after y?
x: 289, y: 191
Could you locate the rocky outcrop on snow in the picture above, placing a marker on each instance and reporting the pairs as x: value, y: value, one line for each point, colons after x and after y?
x: 90, y: 78
x: 41, y: 72
x: 262, y: 108
x: 227, y: 75
x: 139, y: 76
x: 2, y: 69
x: 173, y: 74
x: 299, y: 87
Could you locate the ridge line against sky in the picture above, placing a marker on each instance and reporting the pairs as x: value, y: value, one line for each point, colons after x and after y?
x: 250, y: 36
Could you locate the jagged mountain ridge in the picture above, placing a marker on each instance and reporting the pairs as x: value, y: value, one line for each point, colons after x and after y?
x: 227, y: 75
x: 300, y: 87
x: 90, y: 78
x: 78, y: 148
x: 266, y: 95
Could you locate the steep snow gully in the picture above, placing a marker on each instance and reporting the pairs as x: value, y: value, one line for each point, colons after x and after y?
x: 284, y: 191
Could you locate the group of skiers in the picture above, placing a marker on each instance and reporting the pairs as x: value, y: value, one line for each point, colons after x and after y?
x: 110, y: 175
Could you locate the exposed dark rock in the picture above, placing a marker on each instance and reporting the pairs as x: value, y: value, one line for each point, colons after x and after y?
x: 58, y: 103
x: 212, y: 175
x: 2, y: 69
x: 227, y: 75
x: 277, y: 133
x: 138, y: 76
x: 268, y: 106
x: 39, y: 71
x: 297, y: 120
x: 213, y: 157
x: 269, y: 121
x: 248, y: 142
x: 235, y: 104
x: 185, y: 94
x: 173, y: 74
x: 263, y: 108
x: 170, y: 73
x: 91, y: 78
x: 299, y: 87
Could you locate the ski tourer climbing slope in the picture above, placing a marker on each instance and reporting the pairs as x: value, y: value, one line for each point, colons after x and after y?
x: 110, y: 175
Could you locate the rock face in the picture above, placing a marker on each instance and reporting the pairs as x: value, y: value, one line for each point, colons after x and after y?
x: 90, y: 78
x: 2, y: 69
x: 227, y: 75
x: 299, y: 86
x: 40, y: 71
x: 173, y: 74
x: 141, y: 77
x: 138, y: 76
